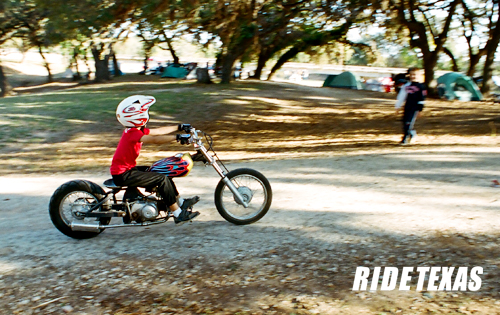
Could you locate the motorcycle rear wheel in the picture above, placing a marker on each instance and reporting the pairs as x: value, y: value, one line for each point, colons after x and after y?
x: 254, y: 188
x: 71, y: 197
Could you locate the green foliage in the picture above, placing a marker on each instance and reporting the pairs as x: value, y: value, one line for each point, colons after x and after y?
x: 302, y: 57
x: 249, y: 31
x: 407, y: 57
x: 359, y: 58
x: 428, y: 27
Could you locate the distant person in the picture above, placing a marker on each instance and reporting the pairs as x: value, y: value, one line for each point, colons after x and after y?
x: 144, y: 68
x: 160, y: 68
x: 412, y: 94
x: 399, y: 79
x: 387, y: 84
x: 237, y: 71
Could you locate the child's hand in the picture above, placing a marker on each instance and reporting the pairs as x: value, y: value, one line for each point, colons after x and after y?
x: 184, y: 127
x: 184, y: 139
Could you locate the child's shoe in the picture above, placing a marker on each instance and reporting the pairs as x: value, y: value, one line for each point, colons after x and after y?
x: 190, y: 202
x: 186, y: 211
x: 185, y: 216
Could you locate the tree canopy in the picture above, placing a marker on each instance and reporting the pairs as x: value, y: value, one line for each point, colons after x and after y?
x: 410, y: 32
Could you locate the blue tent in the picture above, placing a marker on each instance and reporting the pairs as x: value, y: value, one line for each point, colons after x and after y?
x: 174, y: 71
x: 458, y: 86
x: 346, y: 80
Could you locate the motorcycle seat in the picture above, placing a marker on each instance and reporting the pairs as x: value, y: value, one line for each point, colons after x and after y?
x: 111, y: 184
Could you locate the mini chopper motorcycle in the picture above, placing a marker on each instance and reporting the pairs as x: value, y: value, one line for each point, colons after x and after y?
x: 82, y: 209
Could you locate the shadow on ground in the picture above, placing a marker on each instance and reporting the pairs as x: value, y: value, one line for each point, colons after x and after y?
x: 329, y: 216
x: 76, y: 128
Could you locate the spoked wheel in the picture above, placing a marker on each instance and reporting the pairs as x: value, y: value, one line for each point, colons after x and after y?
x: 68, y: 203
x: 255, y: 190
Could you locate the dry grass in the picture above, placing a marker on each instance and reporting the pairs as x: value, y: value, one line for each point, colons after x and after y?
x: 49, y: 129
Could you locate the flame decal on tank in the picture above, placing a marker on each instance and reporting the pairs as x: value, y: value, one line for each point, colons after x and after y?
x: 175, y: 166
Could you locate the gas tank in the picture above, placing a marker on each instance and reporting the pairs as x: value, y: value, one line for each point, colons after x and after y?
x: 178, y: 165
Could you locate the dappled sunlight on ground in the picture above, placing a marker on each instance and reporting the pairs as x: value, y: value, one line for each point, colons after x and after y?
x: 249, y: 120
x: 7, y: 266
x: 345, y: 194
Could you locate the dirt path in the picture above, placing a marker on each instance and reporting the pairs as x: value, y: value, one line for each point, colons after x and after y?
x: 409, y: 206
x: 345, y: 195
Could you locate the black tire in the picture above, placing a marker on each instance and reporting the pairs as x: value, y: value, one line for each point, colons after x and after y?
x: 259, y: 202
x: 92, y: 193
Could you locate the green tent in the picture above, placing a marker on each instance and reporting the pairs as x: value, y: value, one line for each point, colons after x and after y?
x: 457, y: 86
x: 174, y: 71
x: 346, y: 80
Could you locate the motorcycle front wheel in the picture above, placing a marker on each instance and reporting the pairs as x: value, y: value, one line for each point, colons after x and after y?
x: 67, y: 203
x: 255, y: 190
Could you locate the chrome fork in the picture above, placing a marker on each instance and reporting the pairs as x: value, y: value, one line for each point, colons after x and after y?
x: 198, y: 145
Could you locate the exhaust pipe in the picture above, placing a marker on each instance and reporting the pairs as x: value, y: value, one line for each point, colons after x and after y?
x: 96, y: 227
x: 85, y: 227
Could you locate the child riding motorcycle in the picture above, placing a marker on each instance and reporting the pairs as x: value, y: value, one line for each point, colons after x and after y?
x: 133, y: 114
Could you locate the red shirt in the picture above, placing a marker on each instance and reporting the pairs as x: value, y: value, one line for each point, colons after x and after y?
x: 127, y: 151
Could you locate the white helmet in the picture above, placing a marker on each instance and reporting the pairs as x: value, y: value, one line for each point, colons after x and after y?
x: 134, y: 110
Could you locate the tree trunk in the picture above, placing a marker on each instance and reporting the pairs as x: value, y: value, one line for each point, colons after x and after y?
x: 146, y: 64
x: 292, y: 52
x: 86, y: 59
x: 236, y: 47
x: 101, y: 65
x: 430, y: 62
x: 453, y: 60
x: 261, y: 63
x: 5, y: 87
x: 172, y: 51
x: 473, y: 62
x: 314, y: 39
x: 485, y: 86
x: 76, y: 76
x: 116, y: 67
x: 105, y: 68
x: 420, y: 37
x: 487, y: 72
x: 227, y: 68
x: 147, y: 53
x: 202, y: 76
x: 46, y: 64
x: 491, y: 49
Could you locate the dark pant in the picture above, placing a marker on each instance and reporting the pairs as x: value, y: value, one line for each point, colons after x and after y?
x: 138, y: 177
x: 409, y: 118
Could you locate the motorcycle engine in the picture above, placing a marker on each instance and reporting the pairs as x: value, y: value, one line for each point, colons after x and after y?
x: 143, y: 211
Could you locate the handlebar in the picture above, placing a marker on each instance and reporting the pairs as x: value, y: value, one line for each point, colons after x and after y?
x: 195, y: 135
x: 197, y: 140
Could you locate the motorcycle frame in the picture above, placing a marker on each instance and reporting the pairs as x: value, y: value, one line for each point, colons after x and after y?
x: 198, y: 145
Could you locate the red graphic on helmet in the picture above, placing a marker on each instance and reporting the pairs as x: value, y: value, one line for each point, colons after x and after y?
x: 142, y: 122
x: 132, y: 110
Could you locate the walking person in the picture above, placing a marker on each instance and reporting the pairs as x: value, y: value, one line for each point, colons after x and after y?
x: 412, y: 94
